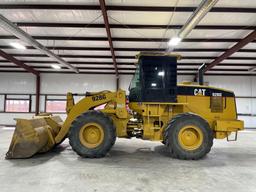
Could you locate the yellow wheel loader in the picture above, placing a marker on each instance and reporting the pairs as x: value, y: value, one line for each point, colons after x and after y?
x: 184, y: 117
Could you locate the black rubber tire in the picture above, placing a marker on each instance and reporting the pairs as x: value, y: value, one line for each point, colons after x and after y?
x: 172, y: 142
x: 109, y: 134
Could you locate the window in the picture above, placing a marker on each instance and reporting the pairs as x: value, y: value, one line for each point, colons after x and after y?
x: 153, y: 75
x: 17, y: 105
x: 54, y: 106
x: 135, y: 83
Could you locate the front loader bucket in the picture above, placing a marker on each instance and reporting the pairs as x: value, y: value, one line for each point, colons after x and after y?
x: 33, y: 136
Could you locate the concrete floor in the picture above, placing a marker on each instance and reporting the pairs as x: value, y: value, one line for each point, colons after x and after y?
x: 133, y: 165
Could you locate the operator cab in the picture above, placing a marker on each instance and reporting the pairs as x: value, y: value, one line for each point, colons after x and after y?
x: 155, y: 79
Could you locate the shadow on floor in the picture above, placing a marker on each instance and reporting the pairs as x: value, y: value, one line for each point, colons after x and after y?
x: 128, y: 156
x: 145, y: 157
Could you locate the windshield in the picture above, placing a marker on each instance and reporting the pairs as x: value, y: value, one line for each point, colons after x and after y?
x: 136, y: 79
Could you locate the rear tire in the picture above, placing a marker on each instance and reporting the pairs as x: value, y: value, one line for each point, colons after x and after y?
x: 92, y: 134
x: 188, y: 136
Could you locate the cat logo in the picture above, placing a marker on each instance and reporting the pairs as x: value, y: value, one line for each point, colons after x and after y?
x: 199, y: 92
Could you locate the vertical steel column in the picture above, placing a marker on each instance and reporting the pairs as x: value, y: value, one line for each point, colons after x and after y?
x: 29, y: 69
x: 117, y: 83
x: 38, y: 88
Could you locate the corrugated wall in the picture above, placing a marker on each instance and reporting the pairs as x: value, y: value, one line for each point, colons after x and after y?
x: 23, y: 83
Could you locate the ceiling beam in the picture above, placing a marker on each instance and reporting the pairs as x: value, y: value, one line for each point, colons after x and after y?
x: 249, y: 38
x: 73, y: 62
x: 129, y: 39
x: 122, y: 68
x: 123, y: 56
x: 132, y: 26
x: 132, y: 73
x: 180, y: 9
x: 18, y: 63
x: 131, y: 49
x: 106, y: 22
x: 123, y: 8
x: 25, y: 37
x: 84, y: 63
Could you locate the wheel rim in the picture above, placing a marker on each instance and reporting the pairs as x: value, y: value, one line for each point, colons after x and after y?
x: 91, y: 135
x: 190, y: 137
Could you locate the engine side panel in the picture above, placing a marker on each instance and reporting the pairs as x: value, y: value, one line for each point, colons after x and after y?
x: 210, y: 103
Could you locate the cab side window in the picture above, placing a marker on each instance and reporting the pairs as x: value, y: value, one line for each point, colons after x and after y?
x: 153, y: 76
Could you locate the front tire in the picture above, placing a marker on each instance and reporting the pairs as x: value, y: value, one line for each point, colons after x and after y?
x: 188, y: 136
x: 92, y: 134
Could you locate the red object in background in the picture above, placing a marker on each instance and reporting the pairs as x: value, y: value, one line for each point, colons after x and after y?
x: 55, y: 106
x: 127, y: 103
x: 16, y: 105
x: 100, y: 107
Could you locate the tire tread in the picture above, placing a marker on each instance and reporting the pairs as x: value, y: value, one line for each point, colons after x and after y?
x: 75, y: 144
x: 175, y: 153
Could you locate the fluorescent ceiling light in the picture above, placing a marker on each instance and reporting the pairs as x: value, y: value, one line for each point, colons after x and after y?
x: 55, y: 66
x: 153, y: 84
x: 161, y: 73
x: 17, y: 45
x: 174, y: 41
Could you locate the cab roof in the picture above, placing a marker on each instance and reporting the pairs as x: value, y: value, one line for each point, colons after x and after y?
x: 147, y: 53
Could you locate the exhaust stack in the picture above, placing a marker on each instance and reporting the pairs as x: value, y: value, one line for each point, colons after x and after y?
x: 201, y: 74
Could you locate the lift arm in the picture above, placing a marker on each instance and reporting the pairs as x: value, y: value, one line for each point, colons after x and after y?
x: 89, y: 102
